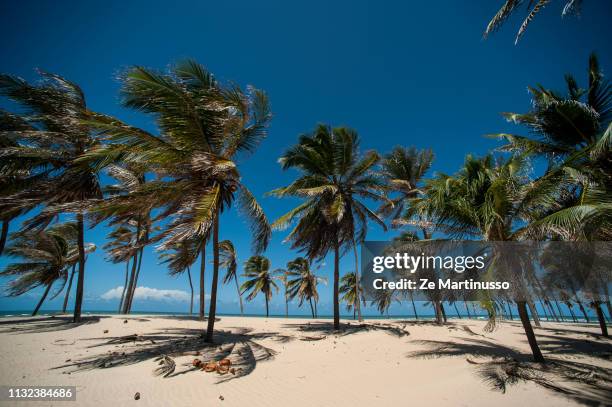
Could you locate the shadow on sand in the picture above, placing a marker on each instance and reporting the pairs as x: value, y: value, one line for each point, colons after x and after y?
x: 45, y: 324
x: 174, y: 350
x: 563, y: 373
x: 348, y: 328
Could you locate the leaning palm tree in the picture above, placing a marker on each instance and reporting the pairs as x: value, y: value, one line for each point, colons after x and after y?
x: 570, y: 7
x: 203, y: 126
x: 259, y: 280
x: 573, y: 131
x: 334, y: 176
x: 55, y: 110
x: 229, y: 261
x: 348, y: 290
x: 47, y: 256
x: 180, y: 259
x: 302, y: 283
x: 487, y: 199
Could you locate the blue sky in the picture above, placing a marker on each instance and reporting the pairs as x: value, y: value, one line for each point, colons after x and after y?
x: 407, y: 73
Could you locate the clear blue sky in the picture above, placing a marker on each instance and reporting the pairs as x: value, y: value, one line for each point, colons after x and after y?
x: 410, y: 73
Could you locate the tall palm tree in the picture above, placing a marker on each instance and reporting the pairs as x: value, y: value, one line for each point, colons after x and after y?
x: 348, y: 290
x: 302, y: 283
x: 574, y: 133
x: 570, y: 7
x: 486, y: 199
x: 259, y: 280
x: 203, y: 126
x: 180, y: 259
x: 229, y: 261
x: 47, y: 256
x: 56, y: 110
x: 334, y: 176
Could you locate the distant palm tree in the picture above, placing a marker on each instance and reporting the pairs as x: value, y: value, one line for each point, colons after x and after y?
x: 47, y: 256
x: 348, y: 290
x: 130, y: 179
x: 203, y: 126
x: 403, y: 170
x: 119, y: 249
x: 511, y: 6
x: 229, y: 261
x: 57, y: 113
x: 180, y: 259
x: 259, y: 279
x: 302, y: 283
x: 333, y: 178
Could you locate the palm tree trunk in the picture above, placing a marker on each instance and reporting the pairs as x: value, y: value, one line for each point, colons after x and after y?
x: 586, y: 316
x: 78, y: 303
x: 510, y: 311
x: 569, y: 307
x: 68, y: 289
x: 311, y: 307
x: 534, y: 313
x: 457, y: 310
x: 559, y: 310
x: 130, y: 289
x: 443, y: 311
x: 41, y: 300
x: 202, y: 285
x: 191, y: 288
x: 336, y: 285
x: 239, y: 294
x: 601, y: 318
x: 609, y: 310
x: 357, y: 290
x: 533, y: 343
x: 316, y: 313
x: 416, y: 316
x: 136, y: 279
x: 467, y: 308
x: 3, y: 234
x: 267, y: 310
x: 212, y: 309
x: 125, y: 284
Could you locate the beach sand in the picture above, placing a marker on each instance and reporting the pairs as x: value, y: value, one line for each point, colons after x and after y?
x: 301, y: 362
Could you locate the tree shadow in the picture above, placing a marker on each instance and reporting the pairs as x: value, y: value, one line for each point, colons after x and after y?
x: 586, y: 383
x: 175, y: 349
x: 45, y: 324
x: 327, y: 328
x: 574, y: 346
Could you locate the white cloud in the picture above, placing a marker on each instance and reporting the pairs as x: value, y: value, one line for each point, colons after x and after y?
x: 150, y: 294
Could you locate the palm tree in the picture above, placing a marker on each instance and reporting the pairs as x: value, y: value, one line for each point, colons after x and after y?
x: 574, y: 133
x: 348, y: 290
x: 570, y: 7
x: 301, y: 282
x: 229, y: 262
x: 203, y: 126
x: 403, y: 170
x: 119, y: 250
x: 259, y: 279
x: 130, y: 179
x: 55, y: 110
x: 334, y: 177
x: 488, y: 199
x: 47, y: 256
x: 180, y: 259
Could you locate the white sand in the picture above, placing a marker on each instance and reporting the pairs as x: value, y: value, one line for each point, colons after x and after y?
x: 371, y: 367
